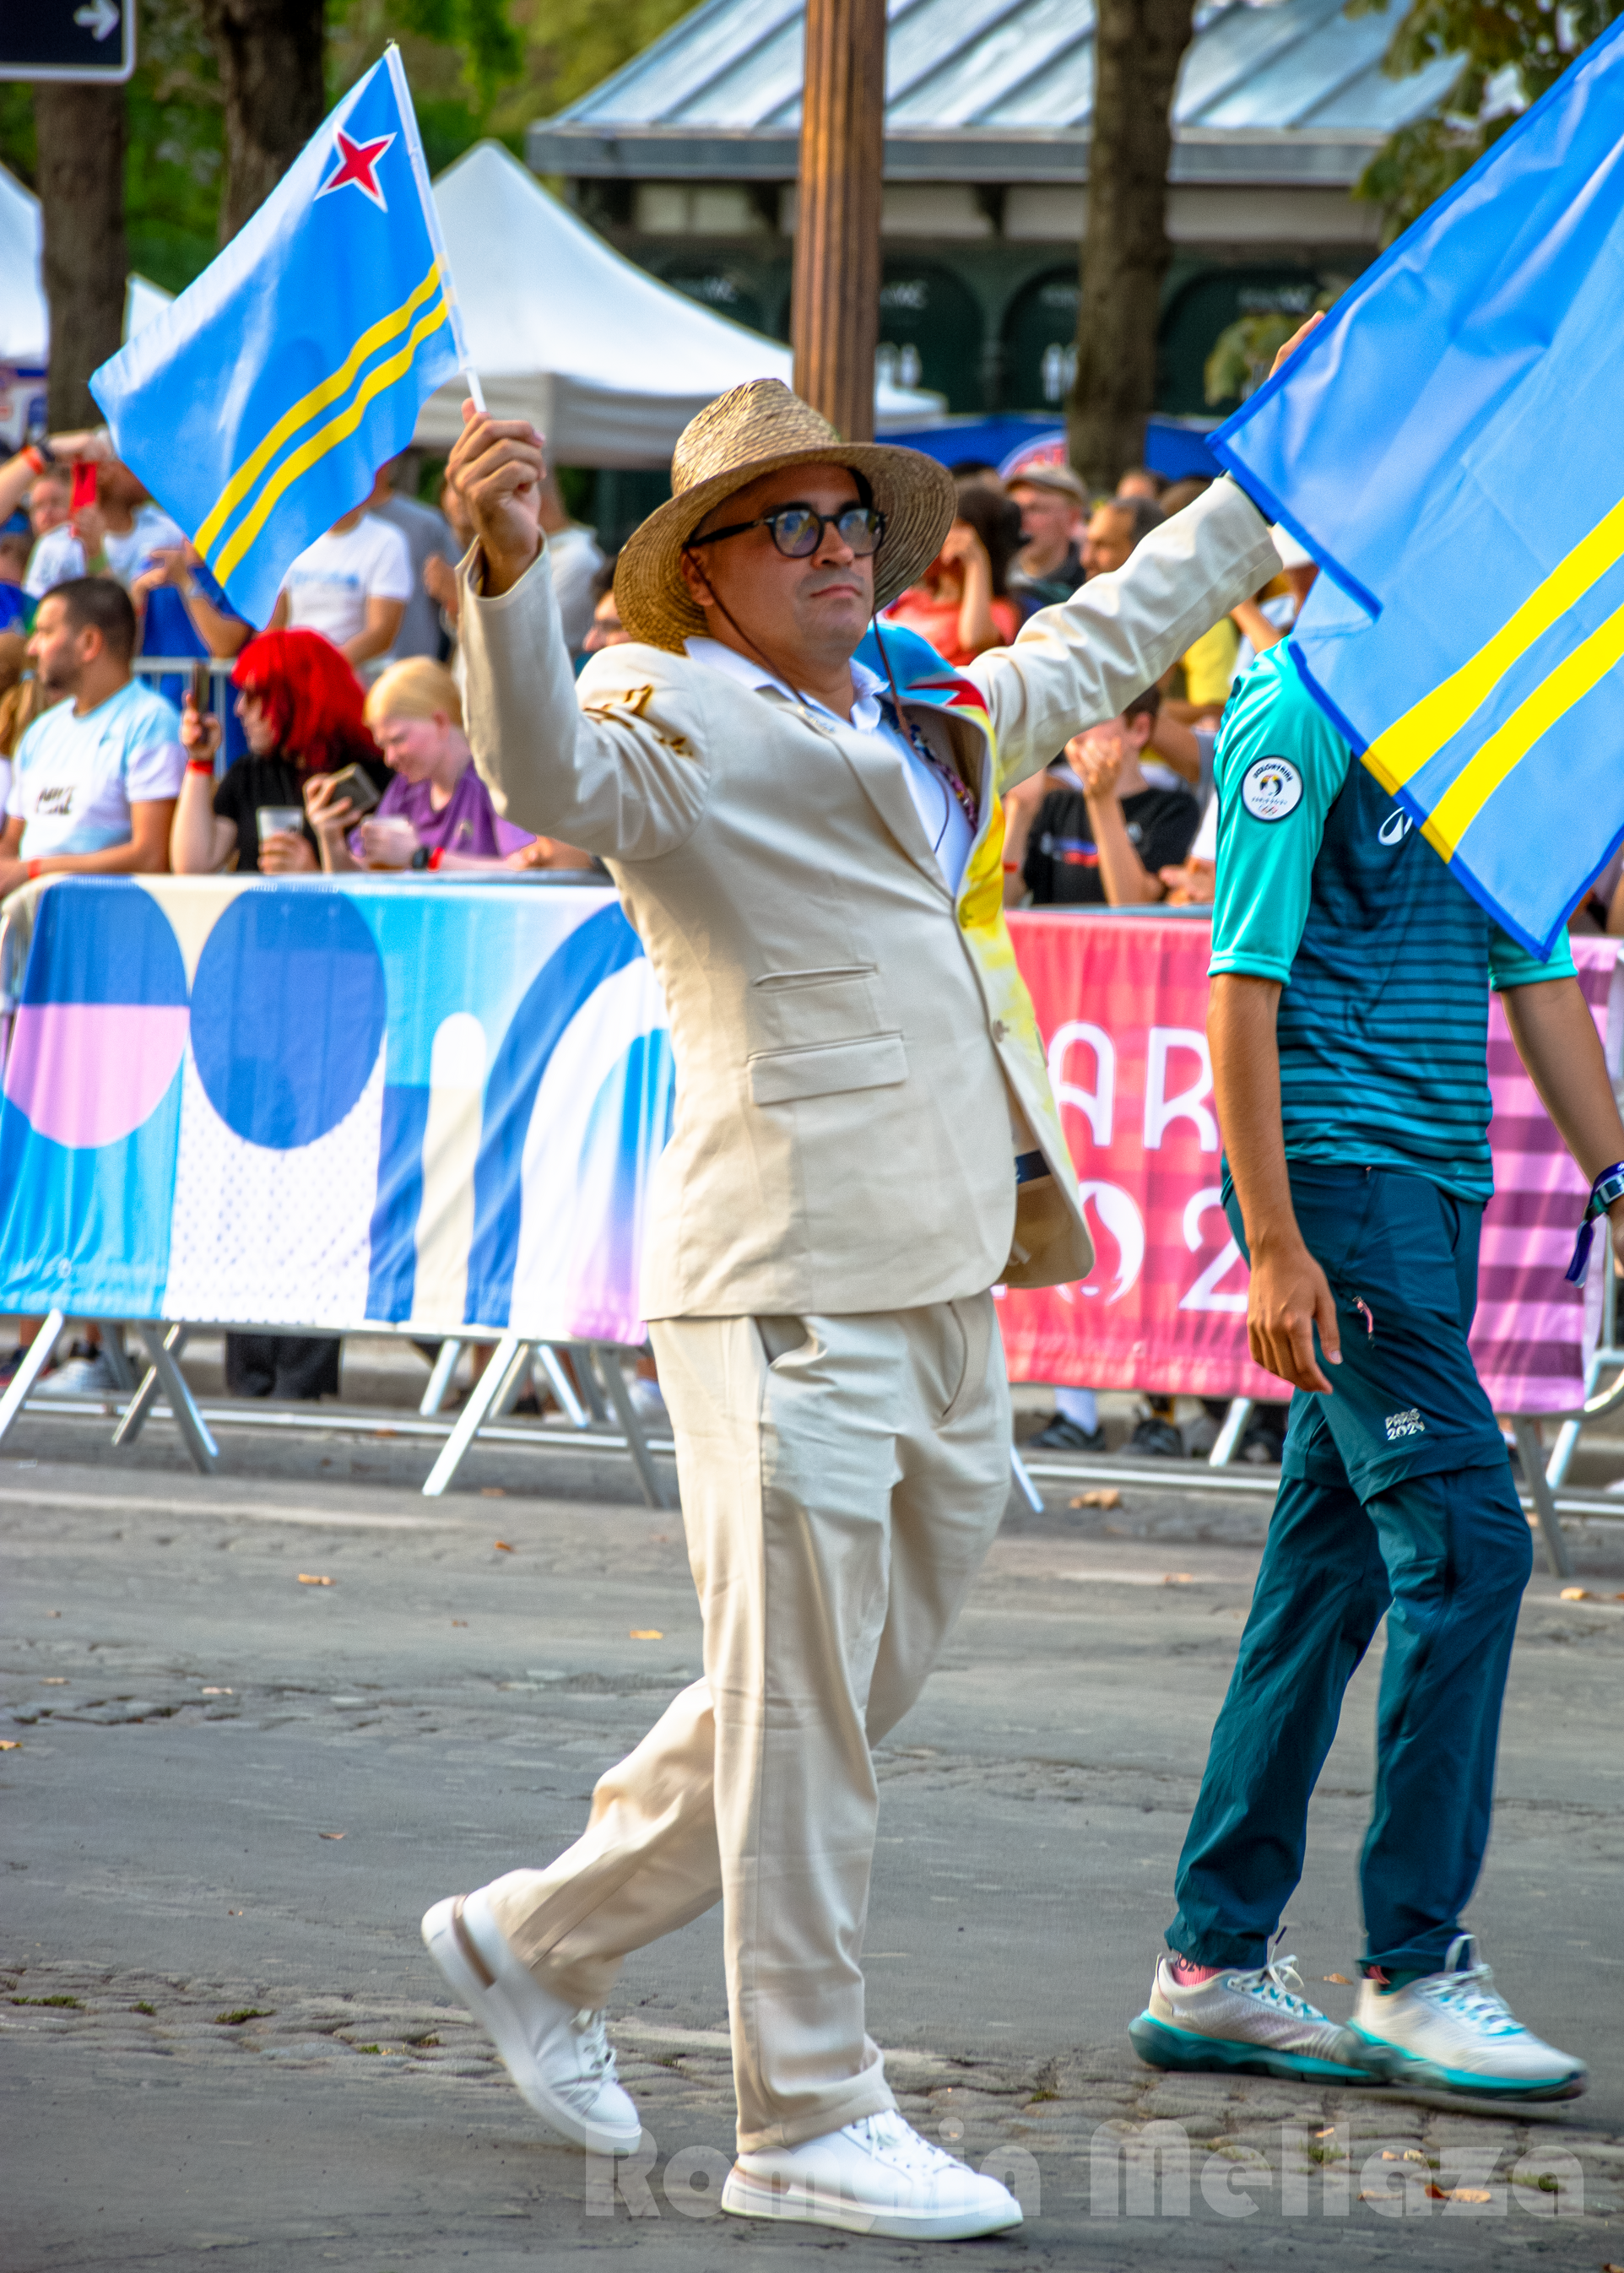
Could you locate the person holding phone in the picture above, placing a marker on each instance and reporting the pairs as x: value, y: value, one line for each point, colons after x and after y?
x: 300, y: 707
x: 436, y: 812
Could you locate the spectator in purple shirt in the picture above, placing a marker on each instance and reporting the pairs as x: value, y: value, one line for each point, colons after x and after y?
x: 436, y: 813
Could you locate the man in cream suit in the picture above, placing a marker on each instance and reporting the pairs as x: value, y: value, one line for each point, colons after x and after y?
x: 865, y: 1143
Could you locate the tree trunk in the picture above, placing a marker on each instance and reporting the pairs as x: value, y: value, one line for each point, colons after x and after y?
x: 1138, y: 46
x: 271, y: 55
x: 834, y: 318
x: 80, y: 176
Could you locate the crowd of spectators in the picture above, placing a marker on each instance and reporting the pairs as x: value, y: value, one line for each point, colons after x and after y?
x: 339, y: 744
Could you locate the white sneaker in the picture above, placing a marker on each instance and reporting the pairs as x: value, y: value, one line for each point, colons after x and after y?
x: 877, y: 2176
x: 1453, y: 2031
x: 559, y: 2057
x: 1252, y: 2024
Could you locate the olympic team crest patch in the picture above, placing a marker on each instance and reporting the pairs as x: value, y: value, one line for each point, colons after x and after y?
x: 1271, y: 788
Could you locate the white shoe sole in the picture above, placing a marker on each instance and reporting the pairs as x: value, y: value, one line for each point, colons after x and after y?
x: 1421, y: 2074
x: 448, y: 1942
x: 746, y: 2195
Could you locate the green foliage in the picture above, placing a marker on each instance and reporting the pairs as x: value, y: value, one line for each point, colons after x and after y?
x: 477, y: 68
x: 1510, y: 52
x: 1241, y: 356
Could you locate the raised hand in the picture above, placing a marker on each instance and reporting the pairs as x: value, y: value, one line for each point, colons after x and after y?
x: 496, y: 468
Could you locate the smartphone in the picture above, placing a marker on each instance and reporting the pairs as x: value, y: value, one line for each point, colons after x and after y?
x: 84, y: 484
x: 200, y: 687
x: 358, y: 786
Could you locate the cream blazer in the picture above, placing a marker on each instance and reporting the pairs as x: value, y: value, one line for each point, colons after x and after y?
x: 857, y: 1058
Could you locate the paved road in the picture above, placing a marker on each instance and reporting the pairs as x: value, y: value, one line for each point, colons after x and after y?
x: 234, y: 1794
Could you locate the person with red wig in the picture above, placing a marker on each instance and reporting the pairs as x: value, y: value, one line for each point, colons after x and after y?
x: 300, y: 705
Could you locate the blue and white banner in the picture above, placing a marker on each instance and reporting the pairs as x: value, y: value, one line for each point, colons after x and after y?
x: 332, y: 1104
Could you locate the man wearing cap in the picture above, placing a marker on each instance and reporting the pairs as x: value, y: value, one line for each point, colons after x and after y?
x: 865, y: 1143
x: 1054, y: 508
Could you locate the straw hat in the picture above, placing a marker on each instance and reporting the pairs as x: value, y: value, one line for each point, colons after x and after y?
x: 754, y: 429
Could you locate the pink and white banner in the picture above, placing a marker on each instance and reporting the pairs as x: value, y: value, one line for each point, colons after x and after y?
x: 1122, y: 1004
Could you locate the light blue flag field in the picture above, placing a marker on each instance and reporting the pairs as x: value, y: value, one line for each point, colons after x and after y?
x: 257, y: 408
x: 1449, y: 446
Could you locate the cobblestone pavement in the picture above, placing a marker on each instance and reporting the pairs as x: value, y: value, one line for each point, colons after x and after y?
x: 232, y: 1793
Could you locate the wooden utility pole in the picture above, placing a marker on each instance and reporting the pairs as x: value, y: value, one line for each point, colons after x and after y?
x: 1139, y: 47
x: 835, y: 316
x: 80, y: 130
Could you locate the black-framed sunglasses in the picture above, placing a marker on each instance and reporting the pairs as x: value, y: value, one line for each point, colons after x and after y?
x: 797, y: 530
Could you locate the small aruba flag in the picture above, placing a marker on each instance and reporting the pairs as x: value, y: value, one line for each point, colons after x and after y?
x: 258, y: 405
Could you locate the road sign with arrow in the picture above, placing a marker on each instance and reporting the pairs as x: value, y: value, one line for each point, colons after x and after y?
x: 67, y: 39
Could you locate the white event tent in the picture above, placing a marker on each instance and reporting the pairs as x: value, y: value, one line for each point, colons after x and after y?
x: 608, y: 362
x: 25, y: 320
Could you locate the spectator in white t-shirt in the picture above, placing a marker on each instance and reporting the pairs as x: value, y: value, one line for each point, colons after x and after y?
x: 351, y: 585
x: 115, y: 537
x: 95, y: 779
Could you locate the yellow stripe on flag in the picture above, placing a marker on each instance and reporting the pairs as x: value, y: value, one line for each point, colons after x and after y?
x: 1556, y: 695
x: 326, y: 438
x: 1397, y: 757
x: 308, y: 407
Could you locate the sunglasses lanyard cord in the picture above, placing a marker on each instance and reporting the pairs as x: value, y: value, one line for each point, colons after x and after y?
x: 952, y: 784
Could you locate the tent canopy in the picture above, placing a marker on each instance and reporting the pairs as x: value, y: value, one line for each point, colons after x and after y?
x: 24, y: 327
x: 609, y: 362
x: 24, y: 319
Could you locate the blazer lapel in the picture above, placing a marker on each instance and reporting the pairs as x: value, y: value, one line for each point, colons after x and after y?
x: 880, y: 771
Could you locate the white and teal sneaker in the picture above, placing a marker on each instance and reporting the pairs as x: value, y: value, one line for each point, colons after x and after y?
x: 1251, y: 2023
x: 1453, y: 2031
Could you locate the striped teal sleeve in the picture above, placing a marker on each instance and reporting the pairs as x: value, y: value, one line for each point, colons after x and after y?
x: 1278, y: 765
x: 1510, y: 965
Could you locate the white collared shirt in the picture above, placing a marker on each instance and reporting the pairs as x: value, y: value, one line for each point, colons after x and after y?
x: 946, y: 824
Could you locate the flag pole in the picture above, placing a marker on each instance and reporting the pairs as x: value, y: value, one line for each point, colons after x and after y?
x: 430, y: 218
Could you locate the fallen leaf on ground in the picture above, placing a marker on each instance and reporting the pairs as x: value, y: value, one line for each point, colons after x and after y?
x: 1330, y: 2131
x: 1178, y: 1578
x: 1341, y: 1981
x: 53, y: 1614
x: 329, y: 1834
x: 1576, y: 1594
x: 646, y: 1634
x: 492, y: 1491
x: 505, y: 1549
x: 459, y: 1622
x: 308, y: 1578
x: 219, y: 1693
x: 1112, y: 1498
x: 10, y: 1743
x: 53, y: 1681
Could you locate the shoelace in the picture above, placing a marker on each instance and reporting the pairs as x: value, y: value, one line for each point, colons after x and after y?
x: 1270, y: 1982
x: 900, y: 2142
x: 1468, y: 1990
x: 596, y: 2052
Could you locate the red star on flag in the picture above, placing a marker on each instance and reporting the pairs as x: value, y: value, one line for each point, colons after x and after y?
x: 357, y: 168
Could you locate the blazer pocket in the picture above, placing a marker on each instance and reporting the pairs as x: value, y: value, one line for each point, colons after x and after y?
x: 877, y: 1061
x: 811, y: 1009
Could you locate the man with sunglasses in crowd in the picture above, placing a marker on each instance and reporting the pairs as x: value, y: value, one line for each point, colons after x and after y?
x: 865, y: 1143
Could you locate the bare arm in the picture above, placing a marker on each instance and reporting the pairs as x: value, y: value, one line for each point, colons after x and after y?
x: 383, y: 621
x: 1098, y: 759
x: 147, y: 852
x: 1556, y: 1038
x: 1290, y: 1294
x: 1021, y: 807
x: 1172, y: 740
x: 1249, y: 618
x: 977, y: 631
x: 200, y: 842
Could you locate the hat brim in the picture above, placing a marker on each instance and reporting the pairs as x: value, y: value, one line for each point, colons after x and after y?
x: 917, y: 496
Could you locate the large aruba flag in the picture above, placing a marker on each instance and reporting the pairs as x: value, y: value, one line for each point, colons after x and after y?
x: 1449, y: 445
x: 258, y: 405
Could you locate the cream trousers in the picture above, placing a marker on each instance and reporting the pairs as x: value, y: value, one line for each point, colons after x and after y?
x: 842, y: 1479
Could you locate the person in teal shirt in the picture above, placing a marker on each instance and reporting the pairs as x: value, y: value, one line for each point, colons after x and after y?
x: 1349, y: 1012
